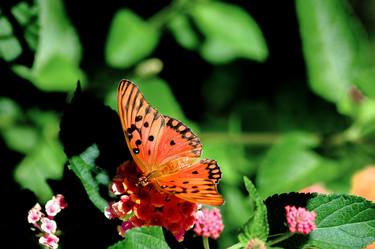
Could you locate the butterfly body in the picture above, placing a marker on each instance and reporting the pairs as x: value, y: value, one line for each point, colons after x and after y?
x: 166, y: 151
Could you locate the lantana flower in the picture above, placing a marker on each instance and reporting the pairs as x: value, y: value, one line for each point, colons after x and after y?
x: 45, y: 223
x: 300, y: 220
x: 34, y: 214
x: 147, y: 206
x: 208, y: 223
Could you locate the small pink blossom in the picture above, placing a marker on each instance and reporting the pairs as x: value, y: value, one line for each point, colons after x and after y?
x: 48, y: 226
x: 208, y: 223
x: 34, y: 214
x: 50, y: 240
x: 300, y: 220
x: 117, y: 188
x: 60, y: 200
x: 256, y: 244
x: 108, y: 211
x: 125, y: 226
x: 121, y: 208
x: 52, y: 207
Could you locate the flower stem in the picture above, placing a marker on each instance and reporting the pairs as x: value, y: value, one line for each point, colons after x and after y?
x: 281, y: 238
x: 206, y: 243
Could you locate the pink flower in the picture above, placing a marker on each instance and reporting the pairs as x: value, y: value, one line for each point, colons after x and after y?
x: 50, y: 240
x: 48, y: 226
x: 117, y: 188
x: 60, y: 200
x: 208, y: 223
x: 300, y: 220
x: 55, y: 205
x: 256, y: 244
x: 108, y: 211
x: 52, y: 207
x: 34, y: 214
x: 125, y: 226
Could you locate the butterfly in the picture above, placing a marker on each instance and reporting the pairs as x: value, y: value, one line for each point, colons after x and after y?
x: 166, y: 151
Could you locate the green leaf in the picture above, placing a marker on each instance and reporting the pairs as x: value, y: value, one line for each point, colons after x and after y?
x: 343, y: 222
x: 45, y: 161
x: 130, y: 39
x: 142, y: 238
x: 44, y: 158
x: 183, y: 32
x: 10, y: 48
x: 257, y: 226
x: 291, y: 165
x: 21, y: 138
x: 56, y: 65
x: 81, y: 166
x: 331, y: 45
x: 230, y: 33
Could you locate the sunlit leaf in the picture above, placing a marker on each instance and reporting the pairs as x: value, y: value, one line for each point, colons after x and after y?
x: 130, y: 39
x: 142, y: 238
x: 56, y: 65
x: 343, y: 222
x: 230, y: 33
x: 331, y: 46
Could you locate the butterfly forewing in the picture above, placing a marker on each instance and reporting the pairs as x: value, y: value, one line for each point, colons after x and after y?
x: 152, y: 138
x: 142, y: 125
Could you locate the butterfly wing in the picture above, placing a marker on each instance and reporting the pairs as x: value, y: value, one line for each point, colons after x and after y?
x: 196, y: 183
x: 153, y: 140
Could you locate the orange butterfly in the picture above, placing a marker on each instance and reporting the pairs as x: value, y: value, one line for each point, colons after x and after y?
x: 166, y: 151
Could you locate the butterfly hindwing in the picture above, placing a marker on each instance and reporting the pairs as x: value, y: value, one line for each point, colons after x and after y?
x: 196, y: 183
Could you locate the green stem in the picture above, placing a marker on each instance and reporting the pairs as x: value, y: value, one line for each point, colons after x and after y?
x: 281, y: 238
x: 235, y: 246
x: 206, y: 243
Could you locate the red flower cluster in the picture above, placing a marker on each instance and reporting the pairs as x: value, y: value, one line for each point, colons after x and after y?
x: 146, y: 205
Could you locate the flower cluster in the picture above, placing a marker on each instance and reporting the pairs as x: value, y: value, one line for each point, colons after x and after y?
x: 146, y: 205
x: 45, y: 223
x: 208, y: 223
x: 300, y: 220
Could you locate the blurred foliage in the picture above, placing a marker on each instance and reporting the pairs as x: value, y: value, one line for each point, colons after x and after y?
x: 208, y: 64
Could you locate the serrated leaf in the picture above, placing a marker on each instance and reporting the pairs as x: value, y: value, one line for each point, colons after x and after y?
x: 142, y: 238
x: 331, y: 46
x: 130, y: 39
x: 230, y: 33
x: 343, y: 222
x: 82, y: 168
x: 257, y: 226
x: 56, y: 65
x: 291, y: 165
